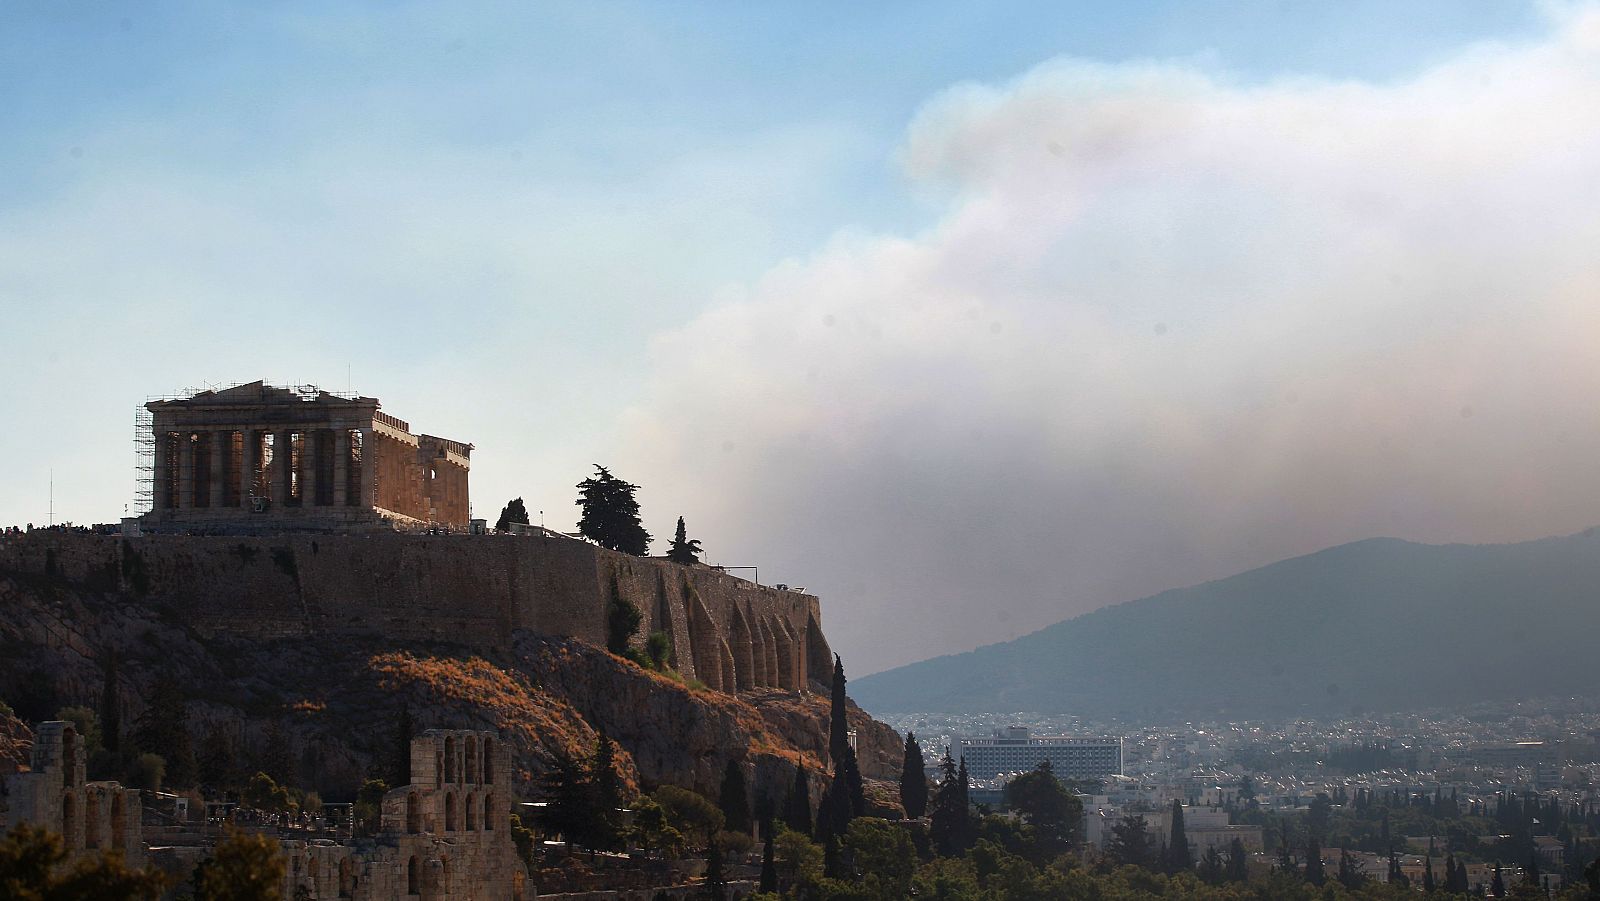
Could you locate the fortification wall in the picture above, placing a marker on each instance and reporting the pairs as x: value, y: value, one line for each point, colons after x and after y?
x: 469, y: 590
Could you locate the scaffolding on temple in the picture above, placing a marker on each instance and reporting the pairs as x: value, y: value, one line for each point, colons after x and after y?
x: 144, y: 461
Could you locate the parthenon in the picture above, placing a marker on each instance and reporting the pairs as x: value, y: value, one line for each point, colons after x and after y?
x: 256, y: 457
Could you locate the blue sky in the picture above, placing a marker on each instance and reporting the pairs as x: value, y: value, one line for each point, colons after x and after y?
x: 518, y: 223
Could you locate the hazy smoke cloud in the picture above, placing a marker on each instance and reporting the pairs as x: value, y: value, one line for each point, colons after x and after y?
x: 1167, y: 327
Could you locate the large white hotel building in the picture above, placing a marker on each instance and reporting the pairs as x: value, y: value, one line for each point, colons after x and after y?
x: 1013, y: 750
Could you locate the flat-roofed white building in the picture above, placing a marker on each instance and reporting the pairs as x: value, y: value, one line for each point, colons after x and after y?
x: 1014, y: 750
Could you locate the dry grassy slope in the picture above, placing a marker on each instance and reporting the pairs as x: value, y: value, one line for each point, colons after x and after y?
x: 337, y: 697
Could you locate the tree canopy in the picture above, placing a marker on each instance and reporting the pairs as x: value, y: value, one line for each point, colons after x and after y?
x: 683, y: 550
x: 514, y: 511
x: 610, y: 515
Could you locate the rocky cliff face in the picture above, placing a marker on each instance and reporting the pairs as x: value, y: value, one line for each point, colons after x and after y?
x: 333, y: 700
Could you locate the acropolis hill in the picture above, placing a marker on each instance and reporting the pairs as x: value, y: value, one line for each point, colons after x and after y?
x: 308, y: 570
x: 245, y: 475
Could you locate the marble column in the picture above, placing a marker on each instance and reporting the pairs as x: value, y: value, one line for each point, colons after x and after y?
x: 221, y: 458
x: 341, y: 465
x: 185, y: 471
x: 310, y: 468
x: 247, y: 466
x: 369, y: 468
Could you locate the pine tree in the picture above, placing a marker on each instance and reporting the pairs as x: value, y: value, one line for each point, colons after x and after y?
x: 734, y: 799
x: 769, y: 869
x: 110, y: 704
x: 797, y: 806
x: 611, y: 514
x: 682, y: 550
x: 514, y: 511
x: 1131, y: 843
x: 845, y: 768
x: 1212, y: 869
x: 1179, y: 858
x: 913, y: 779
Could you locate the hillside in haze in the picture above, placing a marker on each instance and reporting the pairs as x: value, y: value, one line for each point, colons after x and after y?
x: 1376, y: 625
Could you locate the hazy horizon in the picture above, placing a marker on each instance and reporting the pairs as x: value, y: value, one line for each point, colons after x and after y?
x: 966, y: 321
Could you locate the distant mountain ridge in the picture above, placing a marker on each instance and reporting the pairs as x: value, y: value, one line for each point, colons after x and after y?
x: 1374, y: 625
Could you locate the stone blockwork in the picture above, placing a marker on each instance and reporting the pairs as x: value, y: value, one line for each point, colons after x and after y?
x: 91, y: 817
x: 446, y: 835
x: 469, y: 590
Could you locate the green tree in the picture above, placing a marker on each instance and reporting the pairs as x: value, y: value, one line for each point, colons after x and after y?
x: 264, y: 793
x: 658, y: 650
x: 1350, y: 875
x: 682, y: 550
x: 1497, y: 885
x: 651, y: 828
x: 610, y: 515
x: 949, y: 826
x: 769, y: 863
x: 1051, y: 811
x: 1131, y: 843
x: 622, y: 621
x: 367, y: 812
x: 1212, y: 871
x: 913, y: 779
x: 1238, y: 863
x: 242, y: 867
x: 1180, y: 859
x: 845, y: 768
x: 514, y: 511
x: 164, y: 730
x: 690, y: 813
x: 569, y: 799
x: 217, y: 764
x: 606, y: 823
x: 734, y: 799
x: 797, y: 805
x: 1319, y: 814
x: 883, y: 858
x: 716, y: 884
x: 33, y: 868
x: 798, y: 858
x: 145, y: 772
x: 1314, y: 871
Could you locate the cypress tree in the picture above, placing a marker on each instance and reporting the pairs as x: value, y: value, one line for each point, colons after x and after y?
x: 682, y: 550
x: 946, y: 821
x: 1497, y: 886
x: 716, y: 882
x: 1238, y: 864
x: 845, y: 768
x: 913, y: 779
x: 1428, y: 884
x: 607, y: 790
x: 769, y: 869
x: 734, y: 799
x: 1179, y: 857
x: 797, y: 806
x: 1348, y: 876
x: 1314, y: 872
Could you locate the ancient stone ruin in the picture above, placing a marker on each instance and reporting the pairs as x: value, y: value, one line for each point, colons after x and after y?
x: 256, y: 458
x: 91, y: 817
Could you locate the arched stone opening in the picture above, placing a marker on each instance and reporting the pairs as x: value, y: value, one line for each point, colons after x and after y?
x: 413, y: 877
x: 471, y: 805
x: 472, y: 759
x: 69, y: 821
x: 449, y: 760
x: 413, y: 813
x: 450, y: 812
x: 91, y: 819
x: 488, y: 812
x: 488, y: 761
